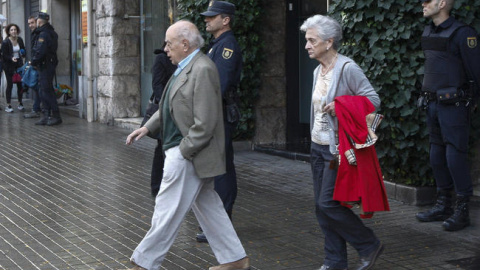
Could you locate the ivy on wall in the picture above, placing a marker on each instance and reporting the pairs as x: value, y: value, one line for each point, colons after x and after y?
x: 246, y: 29
x: 383, y: 37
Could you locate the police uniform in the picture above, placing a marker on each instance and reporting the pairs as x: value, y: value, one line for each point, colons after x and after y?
x: 452, y: 73
x: 226, y: 54
x: 45, y: 60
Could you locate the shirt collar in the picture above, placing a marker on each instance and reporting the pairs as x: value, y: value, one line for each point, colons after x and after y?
x: 444, y: 25
x: 185, y: 62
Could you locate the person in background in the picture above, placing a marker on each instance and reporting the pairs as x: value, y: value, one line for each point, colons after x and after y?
x: 335, y: 76
x: 190, y: 122
x: 162, y: 70
x: 452, y: 68
x: 35, y: 113
x: 13, y: 51
x: 227, y: 56
x: 45, y: 60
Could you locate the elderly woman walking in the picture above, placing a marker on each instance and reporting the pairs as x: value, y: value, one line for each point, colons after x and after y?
x: 337, y: 77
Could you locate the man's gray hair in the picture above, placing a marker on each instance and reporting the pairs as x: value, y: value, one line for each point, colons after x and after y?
x: 326, y: 27
x: 190, y: 32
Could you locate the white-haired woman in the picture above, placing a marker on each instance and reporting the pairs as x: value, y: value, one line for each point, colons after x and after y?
x: 335, y: 76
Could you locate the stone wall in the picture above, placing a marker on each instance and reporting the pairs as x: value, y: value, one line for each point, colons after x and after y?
x: 271, y: 118
x: 118, y: 60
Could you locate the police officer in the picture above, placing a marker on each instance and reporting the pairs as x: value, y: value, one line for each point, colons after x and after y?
x: 450, y: 85
x: 44, y: 58
x: 226, y: 54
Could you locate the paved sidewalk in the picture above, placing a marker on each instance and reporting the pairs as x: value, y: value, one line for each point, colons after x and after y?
x: 75, y: 196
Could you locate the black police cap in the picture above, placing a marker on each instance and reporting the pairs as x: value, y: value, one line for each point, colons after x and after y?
x: 219, y: 7
x: 43, y: 16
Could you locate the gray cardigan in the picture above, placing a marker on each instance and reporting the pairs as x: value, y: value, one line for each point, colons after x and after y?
x: 353, y: 82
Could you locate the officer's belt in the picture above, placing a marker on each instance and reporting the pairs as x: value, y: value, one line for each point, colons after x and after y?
x: 432, y: 96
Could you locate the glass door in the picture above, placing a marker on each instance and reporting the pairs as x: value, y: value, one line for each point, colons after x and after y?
x: 154, y: 22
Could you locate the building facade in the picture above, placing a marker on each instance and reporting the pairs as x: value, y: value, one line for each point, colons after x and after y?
x: 106, y: 54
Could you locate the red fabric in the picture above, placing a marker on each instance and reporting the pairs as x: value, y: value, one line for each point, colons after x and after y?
x: 363, y: 182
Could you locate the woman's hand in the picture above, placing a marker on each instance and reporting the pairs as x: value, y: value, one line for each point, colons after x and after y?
x: 330, y: 108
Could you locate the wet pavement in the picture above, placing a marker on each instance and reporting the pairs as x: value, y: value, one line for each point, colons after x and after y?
x: 75, y: 196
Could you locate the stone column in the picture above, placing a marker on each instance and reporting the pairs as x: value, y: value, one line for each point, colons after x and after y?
x: 271, y: 119
x: 118, y: 60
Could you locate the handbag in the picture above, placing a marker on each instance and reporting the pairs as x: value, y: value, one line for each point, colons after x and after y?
x: 16, y: 78
x: 30, y: 77
x: 152, y: 108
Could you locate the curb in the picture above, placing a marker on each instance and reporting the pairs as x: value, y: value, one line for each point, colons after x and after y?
x: 410, y: 195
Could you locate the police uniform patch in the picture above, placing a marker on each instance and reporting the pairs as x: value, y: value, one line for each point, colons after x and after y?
x: 227, y: 53
x: 472, y: 42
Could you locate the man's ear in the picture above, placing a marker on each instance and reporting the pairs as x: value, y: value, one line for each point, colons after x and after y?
x: 226, y: 20
x: 185, y: 45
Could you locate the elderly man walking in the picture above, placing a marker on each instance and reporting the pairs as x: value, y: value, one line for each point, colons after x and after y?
x: 190, y: 123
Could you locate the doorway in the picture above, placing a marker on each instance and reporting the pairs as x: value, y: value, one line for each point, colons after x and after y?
x: 299, y: 68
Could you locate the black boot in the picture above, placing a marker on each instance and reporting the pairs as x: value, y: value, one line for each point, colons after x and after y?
x: 43, y: 121
x: 461, y: 217
x: 440, y: 211
x: 55, y: 119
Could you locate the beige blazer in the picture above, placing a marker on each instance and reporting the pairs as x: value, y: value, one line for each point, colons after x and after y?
x: 196, y: 108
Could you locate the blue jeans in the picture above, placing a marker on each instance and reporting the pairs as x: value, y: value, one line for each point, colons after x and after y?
x: 36, y: 99
x: 339, y: 224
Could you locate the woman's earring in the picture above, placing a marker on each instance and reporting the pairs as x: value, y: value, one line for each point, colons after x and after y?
x: 328, y: 48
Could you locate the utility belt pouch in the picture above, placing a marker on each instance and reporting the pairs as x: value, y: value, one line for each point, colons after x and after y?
x: 233, y: 113
x: 450, y: 95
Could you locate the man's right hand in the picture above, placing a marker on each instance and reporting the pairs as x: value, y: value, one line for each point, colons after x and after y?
x: 136, y: 135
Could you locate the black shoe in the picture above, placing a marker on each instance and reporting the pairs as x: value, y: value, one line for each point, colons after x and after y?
x: 32, y: 114
x: 324, y: 267
x: 368, y: 261
x: 461, y: 218
x: 440, y: 211
x: 55, y: 119
x: 201, y: 238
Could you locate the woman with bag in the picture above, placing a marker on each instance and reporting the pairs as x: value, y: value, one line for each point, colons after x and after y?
x: 336, y: 76
x: 13, y: 51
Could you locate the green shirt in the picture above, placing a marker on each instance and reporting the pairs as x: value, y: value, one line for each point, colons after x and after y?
x: 171, y: 134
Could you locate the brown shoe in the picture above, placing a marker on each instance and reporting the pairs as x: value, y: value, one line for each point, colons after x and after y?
x: 136, y: 267
x: 243, y: 264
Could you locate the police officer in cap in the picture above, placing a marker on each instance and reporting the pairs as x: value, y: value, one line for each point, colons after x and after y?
x: 44, y: 58
x: 450, y: 89
x: 227, y: 56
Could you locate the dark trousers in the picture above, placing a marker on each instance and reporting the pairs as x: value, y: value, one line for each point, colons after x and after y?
x: 8, y: 91
x: 157, y: 169
x: 47, y: 94
x: 226, y: 184
x: 449, y: 127
x: 339, y: 224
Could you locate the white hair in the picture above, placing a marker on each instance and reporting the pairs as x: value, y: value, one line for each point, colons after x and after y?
x: 190, y: 32
x: 326, y: 27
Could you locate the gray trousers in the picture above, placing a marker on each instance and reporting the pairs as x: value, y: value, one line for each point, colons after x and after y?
x: 182, y: 190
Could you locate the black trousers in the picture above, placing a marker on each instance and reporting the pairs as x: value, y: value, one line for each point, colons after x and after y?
x: 157, y: 169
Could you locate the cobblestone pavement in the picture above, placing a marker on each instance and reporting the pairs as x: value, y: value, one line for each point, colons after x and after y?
x: 75, y: 196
